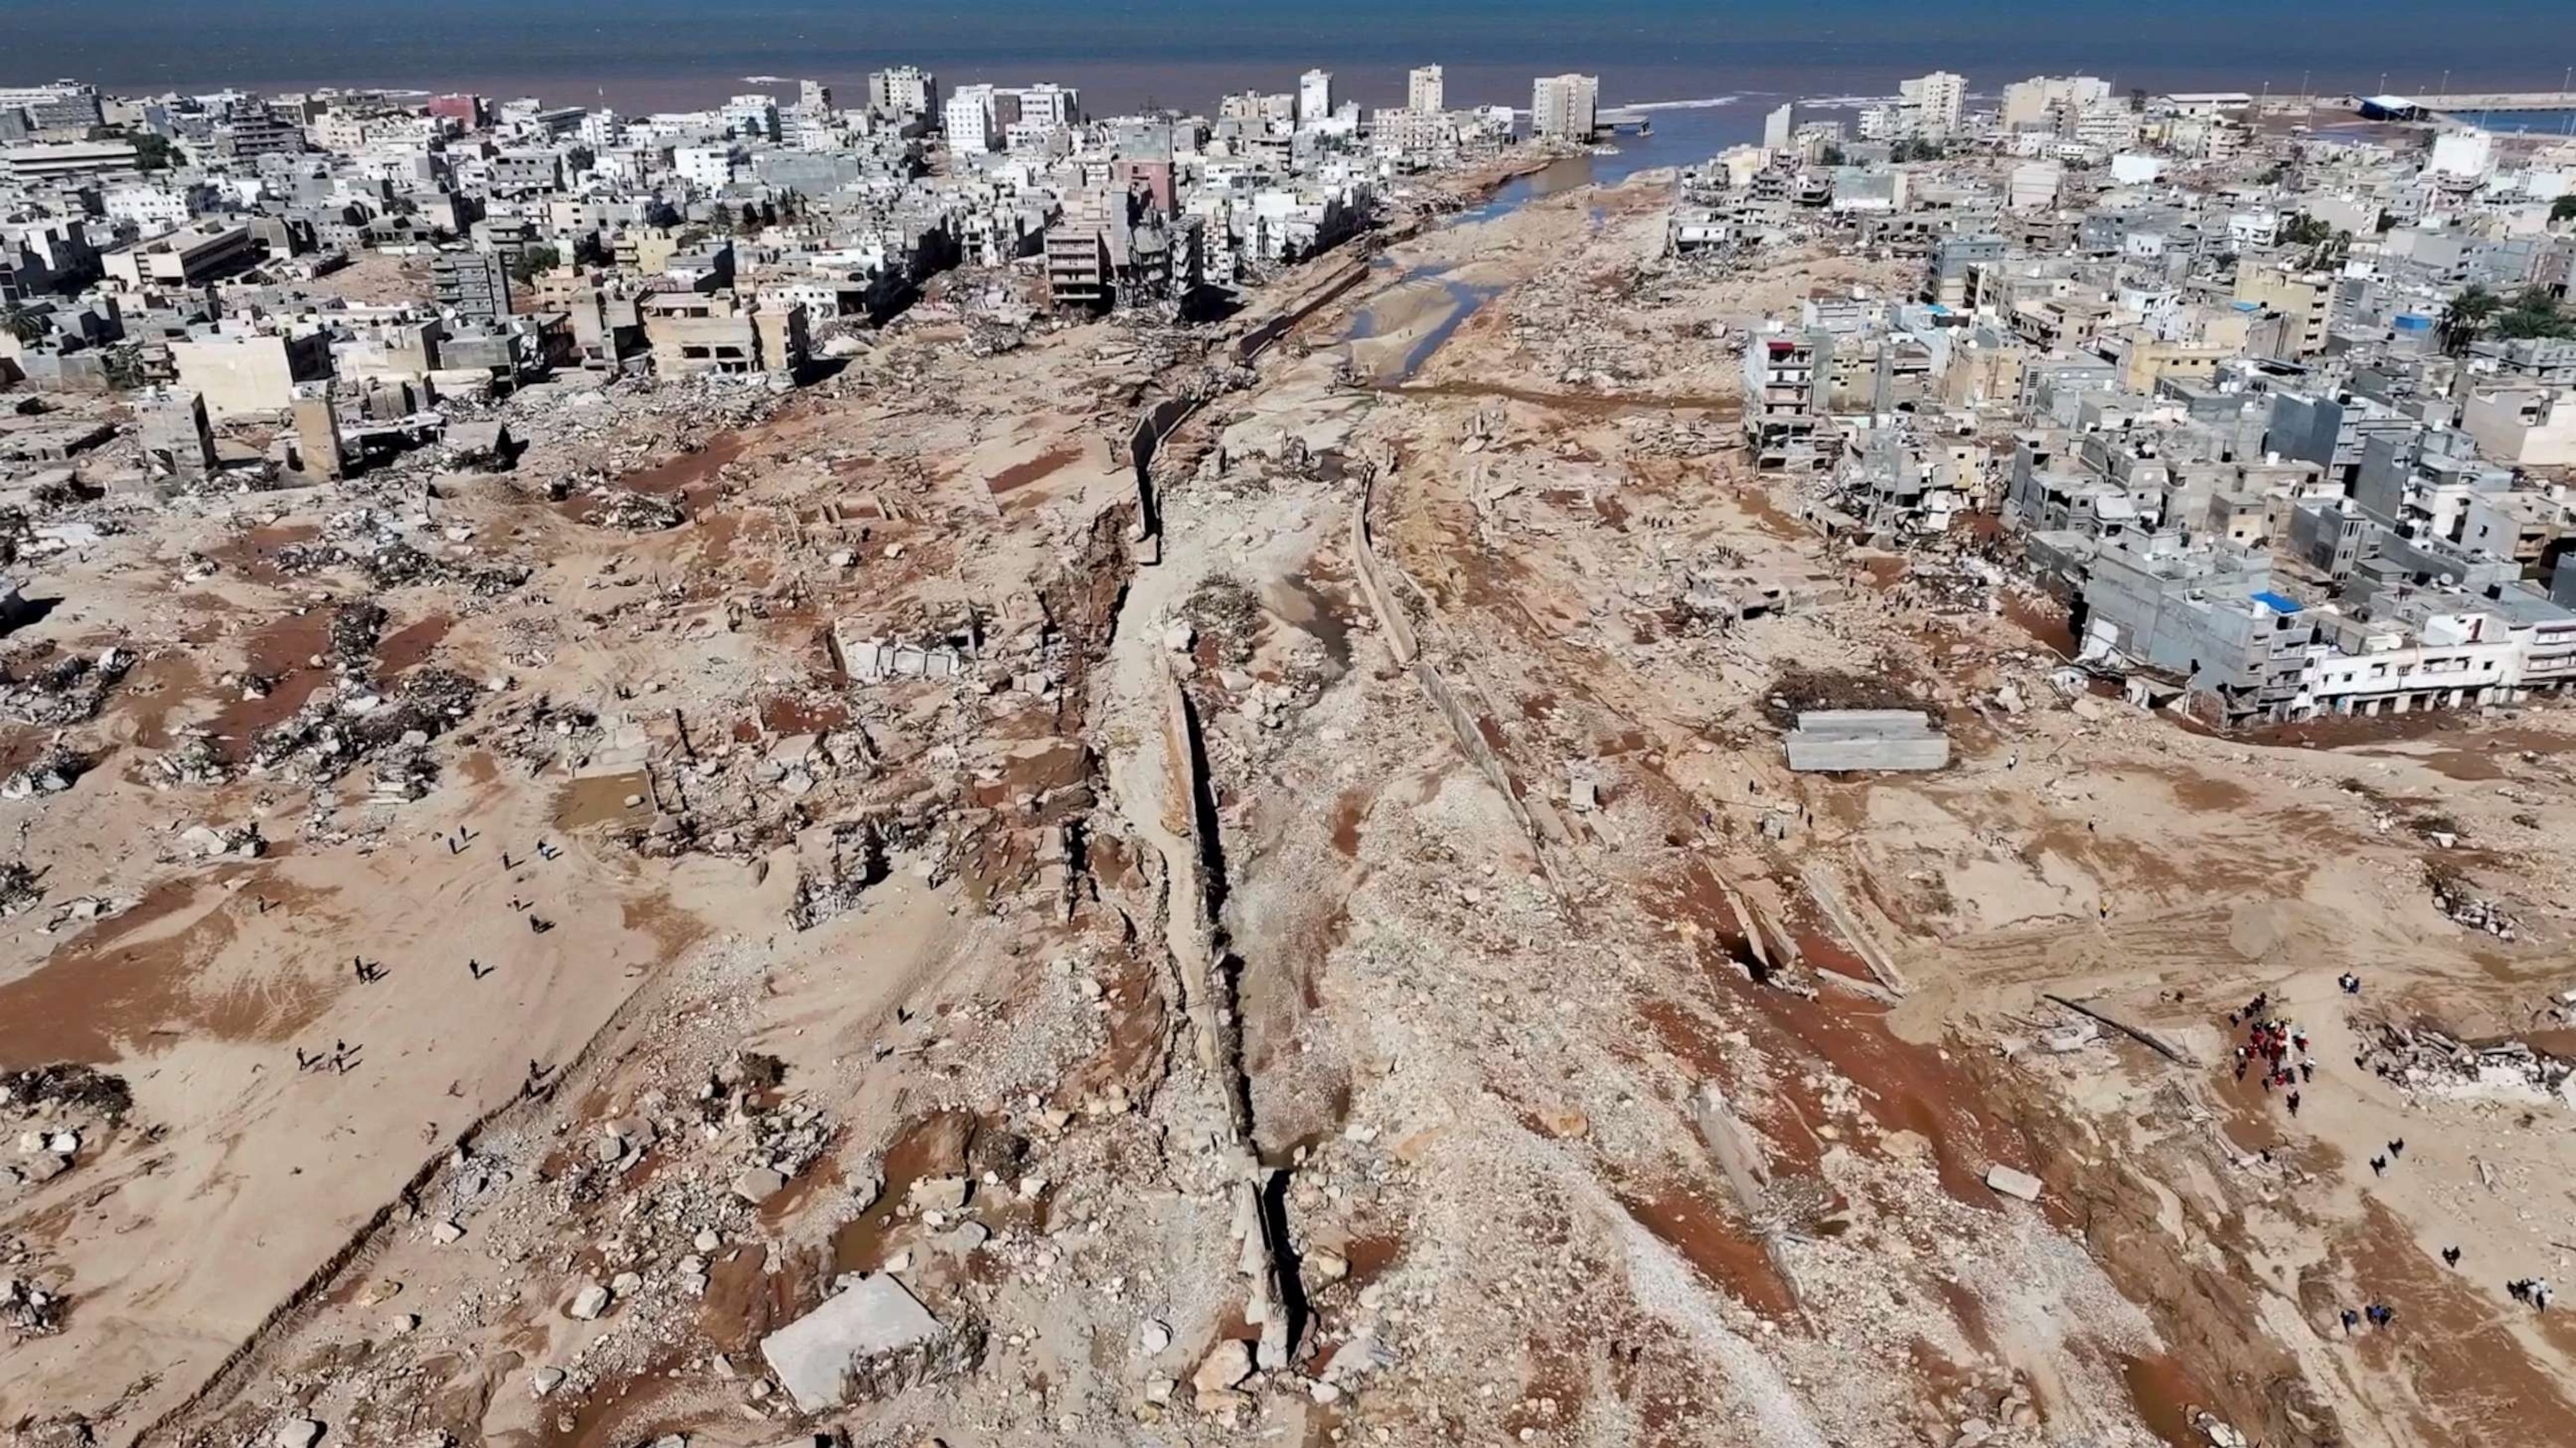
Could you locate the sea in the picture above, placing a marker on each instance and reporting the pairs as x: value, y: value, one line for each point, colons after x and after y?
x: 1730, y: 60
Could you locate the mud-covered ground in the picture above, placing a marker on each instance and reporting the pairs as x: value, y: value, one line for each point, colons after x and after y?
x: 1396, y: 947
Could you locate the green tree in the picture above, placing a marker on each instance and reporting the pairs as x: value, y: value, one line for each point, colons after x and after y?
x: 2305, y: 230
x: 2534, y: 313
x: 2467, y: 315
x: 154, y: 152
x: 2563, y: 209
x: 533, y: 260
x: 22, y: 324
x: 124, y: 366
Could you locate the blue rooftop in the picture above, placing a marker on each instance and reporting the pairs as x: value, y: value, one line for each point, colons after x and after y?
x: 2276, y: 602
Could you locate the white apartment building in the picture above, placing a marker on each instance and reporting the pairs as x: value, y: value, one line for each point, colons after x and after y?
x: 1050, y: 105
x: 972, y: 119
x: 155, y: 209
x: 709, y: 168
x: 1932, y: 104
x: 2454, y: 660
x: 905, y: 90
x: 1565, y: 107
x: 2033, y: 103
x: 1314, y: 97
x: 1425, y: 91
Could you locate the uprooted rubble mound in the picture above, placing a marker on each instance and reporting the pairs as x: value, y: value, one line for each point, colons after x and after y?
x: 2457, y: 897
x: 68, y: 1086
x: 18, y: 887
x: 398, y: 564
x: 48, y: 688
x: 50, y: 772
x: 852, y: 858
x: 328, y: 736
x: 1797, y: 689
x: 354, y: 632
x: 68, y: 1430
x: 634, y: 512
x: 2426, y: 1058
x: 1224, y: 609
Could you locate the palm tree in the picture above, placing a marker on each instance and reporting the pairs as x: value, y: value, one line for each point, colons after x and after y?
x: 2466, y: 316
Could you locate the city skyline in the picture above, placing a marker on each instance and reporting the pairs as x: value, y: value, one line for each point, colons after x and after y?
x: 659, y: 54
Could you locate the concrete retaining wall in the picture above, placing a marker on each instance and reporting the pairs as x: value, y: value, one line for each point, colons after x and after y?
x: 1257, y: 338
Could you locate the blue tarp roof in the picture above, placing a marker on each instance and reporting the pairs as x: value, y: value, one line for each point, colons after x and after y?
x: 2276, y: 602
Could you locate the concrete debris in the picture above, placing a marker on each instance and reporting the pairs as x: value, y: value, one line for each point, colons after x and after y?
x: 2422, y: 1058
x: 2013, y: 1182
x: 2455, y: 897
x: 871, y: 1338
x: 2072, y: 1037
x: 1227, y: 1364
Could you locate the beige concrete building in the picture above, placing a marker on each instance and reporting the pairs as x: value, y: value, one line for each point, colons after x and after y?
x: 189, y: 257
x: 248, y: 374
x: 721, y: 332
x: 2308, y: 298
x: 2524, y: 427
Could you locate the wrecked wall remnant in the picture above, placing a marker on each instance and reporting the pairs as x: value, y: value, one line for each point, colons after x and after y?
x: 1875, y: 739
x: 871, y: 659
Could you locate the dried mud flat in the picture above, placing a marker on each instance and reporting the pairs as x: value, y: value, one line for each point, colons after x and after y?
x: 1376, y: 937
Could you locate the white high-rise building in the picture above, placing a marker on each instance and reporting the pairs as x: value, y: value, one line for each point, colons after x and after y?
x: 1779, y: 125
x: 905, y: 90
x: 969, y: 119
x: 1053, y: 105
x: 2033, y: 102
x: 1564, y: 107
x: 1314, y: 97
x: 1425, y: 92
x: 1932, y: 103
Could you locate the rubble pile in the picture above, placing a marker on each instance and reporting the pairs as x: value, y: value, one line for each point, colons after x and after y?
x: 50, y: 772
x: 195, y: 759
x: 18, y: 887
x: 67, y: 1087
x: 355, y: 630
x: 27, y: 1310
x: 45, y: 687
x: 2424, y: 1058
x: 328, y: 736
x: 2455, y: 896
x: 1225, y: 612
x: 634, y: 512
x: 844, y: 861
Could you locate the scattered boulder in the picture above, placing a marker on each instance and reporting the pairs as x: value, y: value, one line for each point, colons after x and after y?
x: 1226, y: 1364
x: 2013, y: 1182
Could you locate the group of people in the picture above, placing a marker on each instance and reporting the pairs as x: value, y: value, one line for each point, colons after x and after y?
x: 2377, y: 1314
x: 342, y: 1056
x: 2278, y: 1046
x: 2534, y: 1290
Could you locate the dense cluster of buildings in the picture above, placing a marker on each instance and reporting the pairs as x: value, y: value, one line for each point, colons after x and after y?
x: 180, y: 243
x: 2278, y: 402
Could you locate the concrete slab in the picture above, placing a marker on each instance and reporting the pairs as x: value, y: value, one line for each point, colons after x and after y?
x: 813, y: 1355
x: 2013, y: 1182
